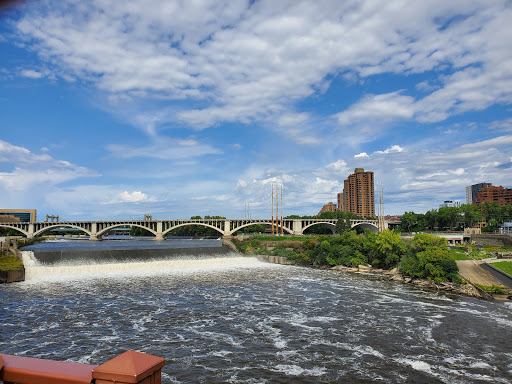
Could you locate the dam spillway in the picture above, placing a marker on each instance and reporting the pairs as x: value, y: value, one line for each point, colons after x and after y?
x: 78, y: 259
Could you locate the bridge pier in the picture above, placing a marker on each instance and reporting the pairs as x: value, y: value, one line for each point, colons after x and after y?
x: 159, y: 237
x: 297, y: 227
x: 95, y: 238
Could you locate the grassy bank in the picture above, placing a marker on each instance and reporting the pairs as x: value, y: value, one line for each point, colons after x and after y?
x: 469, y: 253
x: 505, y: 266
x: 10, y: 262
x: 493, y: 289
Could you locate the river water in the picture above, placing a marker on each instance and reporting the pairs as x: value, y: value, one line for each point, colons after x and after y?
x: 217, y: 317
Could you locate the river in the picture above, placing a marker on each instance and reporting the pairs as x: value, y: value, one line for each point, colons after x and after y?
x: 217, y: 317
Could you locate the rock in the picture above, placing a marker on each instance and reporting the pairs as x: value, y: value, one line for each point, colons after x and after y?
x: 407, y: 280
x: 364, y: 268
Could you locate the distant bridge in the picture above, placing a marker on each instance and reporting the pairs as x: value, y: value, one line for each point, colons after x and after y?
x: 159, y: 228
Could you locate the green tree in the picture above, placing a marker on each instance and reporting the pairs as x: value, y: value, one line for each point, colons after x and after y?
x: 431, y: 219
x: 428, y: 257
x: 490, y: 210
x: 448, y: 217
x: 138, y: 231
x: 409, y: 221
x: 470, y: 214
x: 343, y: 224
x: 389, y: 248
x: 423, y: 241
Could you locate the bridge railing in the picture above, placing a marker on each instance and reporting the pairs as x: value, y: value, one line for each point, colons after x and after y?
x: 130, y: 367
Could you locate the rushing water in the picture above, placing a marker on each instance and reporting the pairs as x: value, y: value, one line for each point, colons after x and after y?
x: 223, y: 318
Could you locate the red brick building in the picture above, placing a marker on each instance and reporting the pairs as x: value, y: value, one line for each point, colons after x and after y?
x: 490, y: 193
x: 329, y: 207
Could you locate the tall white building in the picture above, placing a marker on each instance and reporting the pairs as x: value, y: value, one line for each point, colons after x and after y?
x: 450, y: 203
x: 472, y: 191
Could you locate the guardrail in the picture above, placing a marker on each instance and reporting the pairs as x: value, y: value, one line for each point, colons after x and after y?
x: 131, y: 367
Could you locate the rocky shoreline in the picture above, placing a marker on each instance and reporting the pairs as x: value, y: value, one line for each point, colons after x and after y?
x: 394, y: 275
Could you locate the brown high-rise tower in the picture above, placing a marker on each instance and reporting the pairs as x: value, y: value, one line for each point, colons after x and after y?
x: 358, y: 193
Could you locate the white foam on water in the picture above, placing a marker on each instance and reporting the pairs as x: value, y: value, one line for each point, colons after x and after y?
x: 29, y: 260
x: 417, y: 365
x: 60, y: 240
x: 37, y: 272
x: 295, y: 370
x: 481, y: 365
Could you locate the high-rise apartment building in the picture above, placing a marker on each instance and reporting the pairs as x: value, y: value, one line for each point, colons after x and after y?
x: 490, y: 193
x: 472, y: 192
x: 340, y: 202
x: 358, y: 193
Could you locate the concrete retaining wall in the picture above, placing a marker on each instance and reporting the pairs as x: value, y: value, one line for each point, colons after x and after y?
x: 12, y: 276
x: 493, y: 240
x: 275, y: 259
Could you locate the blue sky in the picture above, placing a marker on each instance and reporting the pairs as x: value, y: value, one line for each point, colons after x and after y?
x: 113, y: 109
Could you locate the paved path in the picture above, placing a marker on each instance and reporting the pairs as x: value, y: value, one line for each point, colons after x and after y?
x: 472, y: 270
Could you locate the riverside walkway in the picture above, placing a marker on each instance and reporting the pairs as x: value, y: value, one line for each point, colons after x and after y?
x: 475, y: 271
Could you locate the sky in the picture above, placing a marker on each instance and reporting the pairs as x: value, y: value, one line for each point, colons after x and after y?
x: 116, y: 109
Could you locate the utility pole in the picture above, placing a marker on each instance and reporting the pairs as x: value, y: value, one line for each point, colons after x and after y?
x: 281, y: 209
x: 277, y: 210
x: 272, y: 208
x: 380, y: 193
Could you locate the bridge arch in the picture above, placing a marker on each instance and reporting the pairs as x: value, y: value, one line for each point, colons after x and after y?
x: 50, y: 227
x: 105, y: 230
x: 364, y: 226
x: 188, y: 224
x: 259, y: 223
x: 15, y: 228
x: 327, y: 224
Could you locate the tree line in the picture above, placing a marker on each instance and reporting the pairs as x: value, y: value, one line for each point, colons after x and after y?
x: 456, y: 218
x: 426, y: 256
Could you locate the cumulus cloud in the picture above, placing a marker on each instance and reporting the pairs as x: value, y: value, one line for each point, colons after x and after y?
x: 385, y: 107
x: 241, y: 62
x: 30, y: 73
x: 413, y: 179
x: 134, y: 197
x: 27, y: 178
x: 27, y: 169
x: 394, y: 148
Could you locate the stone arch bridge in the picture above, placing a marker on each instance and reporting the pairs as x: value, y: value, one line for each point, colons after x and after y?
x: 159, y: 228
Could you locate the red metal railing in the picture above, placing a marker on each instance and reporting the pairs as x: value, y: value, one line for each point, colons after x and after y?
x: 130, y: 367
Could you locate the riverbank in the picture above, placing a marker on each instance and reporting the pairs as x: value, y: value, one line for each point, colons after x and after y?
x: 424, y: 262
x: 466, y: 289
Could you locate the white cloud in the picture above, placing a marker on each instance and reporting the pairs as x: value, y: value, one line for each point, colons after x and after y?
x: 31, y: 74
x: 163, y: 148
x: 28, y: 170
x: 385, y: 107
x: 214, y: 197
x: 392, y: 149
x: 134, y: 197
x: 501, y: 125
x: 242, y: 62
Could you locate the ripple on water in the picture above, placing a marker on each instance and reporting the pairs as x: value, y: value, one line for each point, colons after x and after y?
x: 254, y: 322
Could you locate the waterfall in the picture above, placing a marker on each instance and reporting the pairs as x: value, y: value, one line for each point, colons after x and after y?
x: 81, y: 268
